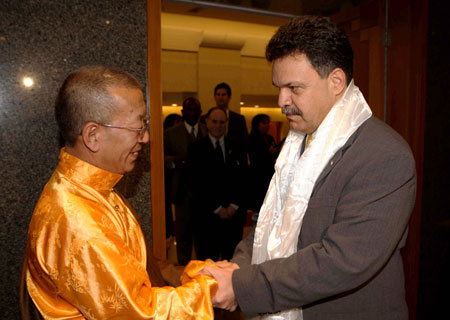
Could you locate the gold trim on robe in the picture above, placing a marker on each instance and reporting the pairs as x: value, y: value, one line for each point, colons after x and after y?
x: 87, y: 256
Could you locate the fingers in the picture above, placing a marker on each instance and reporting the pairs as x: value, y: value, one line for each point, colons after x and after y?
x: 222, y: 271
x: 224, y: 264
x: 206, y: 271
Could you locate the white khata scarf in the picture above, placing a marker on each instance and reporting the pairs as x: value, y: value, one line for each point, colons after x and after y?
x: 281, y: 215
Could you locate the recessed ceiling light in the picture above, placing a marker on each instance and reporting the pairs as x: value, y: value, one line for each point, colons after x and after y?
x: 28, y: 82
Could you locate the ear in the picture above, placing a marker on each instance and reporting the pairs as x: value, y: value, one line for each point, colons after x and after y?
x: 337, y: 81
x: 91, y: 136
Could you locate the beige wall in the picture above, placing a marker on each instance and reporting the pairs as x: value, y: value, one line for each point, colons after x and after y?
x: 179, y: 71
x: 215, y: 66
x: 200, y: 71
x: 198, y: 53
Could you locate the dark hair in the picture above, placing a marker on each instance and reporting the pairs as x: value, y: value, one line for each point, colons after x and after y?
x: 223, y: 85
x: 170, y: 120
x: 191, y: 101
x: 257, y: 120
x: 84, y: 97
x: 324, y: 44
x: 216, y: 108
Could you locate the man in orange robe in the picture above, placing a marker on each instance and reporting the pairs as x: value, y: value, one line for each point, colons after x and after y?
x: 86, y: 253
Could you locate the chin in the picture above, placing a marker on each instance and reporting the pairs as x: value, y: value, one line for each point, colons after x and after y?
x: 293, y: 126
x: 130, y: 168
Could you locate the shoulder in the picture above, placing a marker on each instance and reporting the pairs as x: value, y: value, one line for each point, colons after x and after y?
x: 376, y: 142
x: 63, y: 209
x: 65, y: 200
x: 175, y: 129
x: 202, y: 128
x: 379, y: 136
x: 236, y: 115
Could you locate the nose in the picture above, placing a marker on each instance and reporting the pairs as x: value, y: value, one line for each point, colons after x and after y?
x: 145, y: 138
x: 284, y: 98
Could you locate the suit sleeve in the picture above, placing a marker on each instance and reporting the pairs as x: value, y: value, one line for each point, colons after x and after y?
x: 243, y: 252
x: 370, y: 219
x: 168, y: 158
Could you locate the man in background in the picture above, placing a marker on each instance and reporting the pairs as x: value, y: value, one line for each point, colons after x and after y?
x: 329, y: 233
x: 217, y: 183
x: 236, y: 129
x: 176, y: 143
x: 86, y: 254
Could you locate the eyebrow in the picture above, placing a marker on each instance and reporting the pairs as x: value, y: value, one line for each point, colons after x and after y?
x: 288, y: 84
x: 143, y: 115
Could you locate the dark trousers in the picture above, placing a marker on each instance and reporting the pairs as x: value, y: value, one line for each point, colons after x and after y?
x: 183, y: 232
x: 217, y: 238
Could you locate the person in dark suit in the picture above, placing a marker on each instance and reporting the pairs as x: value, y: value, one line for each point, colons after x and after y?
x: 170, y: 121
x: 328, y: 236
x: 176, y: 142
x: 237, y: 128
x: 217, y: 185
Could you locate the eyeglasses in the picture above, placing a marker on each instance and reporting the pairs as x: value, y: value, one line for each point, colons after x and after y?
x: 139, y: 131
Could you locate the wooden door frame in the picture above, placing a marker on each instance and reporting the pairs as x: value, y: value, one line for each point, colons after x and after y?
x: 156, y: 128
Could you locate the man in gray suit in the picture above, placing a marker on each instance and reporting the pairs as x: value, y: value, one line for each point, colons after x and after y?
x: 176, y: 142
x: 328, y: 237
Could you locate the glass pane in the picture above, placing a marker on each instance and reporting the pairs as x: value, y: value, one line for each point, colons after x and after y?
x: 285, y: 7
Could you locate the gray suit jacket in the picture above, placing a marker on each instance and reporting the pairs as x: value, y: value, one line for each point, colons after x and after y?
x: 176, y: 143
x: 348, y: 264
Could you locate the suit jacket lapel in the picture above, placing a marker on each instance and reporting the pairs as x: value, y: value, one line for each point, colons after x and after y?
x: 337, y: 157
x: 227, y: 152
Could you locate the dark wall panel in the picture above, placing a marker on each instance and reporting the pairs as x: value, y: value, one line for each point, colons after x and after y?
x: 46, y: 40
x: 434, y: 277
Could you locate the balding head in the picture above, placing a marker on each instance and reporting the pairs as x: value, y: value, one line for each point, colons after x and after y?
x: 84, y: 98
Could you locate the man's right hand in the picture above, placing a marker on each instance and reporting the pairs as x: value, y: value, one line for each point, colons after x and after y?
x: 224, y: 297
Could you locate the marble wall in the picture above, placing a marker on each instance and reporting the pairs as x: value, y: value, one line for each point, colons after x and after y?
x: 46, y: 40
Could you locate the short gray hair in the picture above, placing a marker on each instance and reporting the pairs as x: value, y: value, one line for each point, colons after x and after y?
x: 84, y: 97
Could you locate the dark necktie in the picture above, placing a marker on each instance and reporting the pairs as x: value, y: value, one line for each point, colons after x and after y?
x: 192, y: 136
x: 219, y: 151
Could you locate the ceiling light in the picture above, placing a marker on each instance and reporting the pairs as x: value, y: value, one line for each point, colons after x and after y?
x: 28, y: 82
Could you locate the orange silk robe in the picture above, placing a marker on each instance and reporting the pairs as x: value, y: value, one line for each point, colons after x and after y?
x: 87, y: 256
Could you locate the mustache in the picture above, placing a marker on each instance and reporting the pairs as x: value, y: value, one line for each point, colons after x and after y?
x: 289, y: 110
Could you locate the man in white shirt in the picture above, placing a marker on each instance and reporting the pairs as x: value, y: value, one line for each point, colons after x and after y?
x: 217, y: 184
x: 176, y: 142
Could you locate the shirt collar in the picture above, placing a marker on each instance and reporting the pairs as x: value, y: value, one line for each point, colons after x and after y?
x: 82, y: 172
x: 189, y: 127
x: 213, y: 139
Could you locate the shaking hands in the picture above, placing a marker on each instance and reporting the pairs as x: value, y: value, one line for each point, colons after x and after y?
x: 223, y: 272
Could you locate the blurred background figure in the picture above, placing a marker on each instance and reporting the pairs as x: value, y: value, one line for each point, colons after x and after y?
x: 218, y: 186
x: 170, y: 121
x: 176, y: 142
x: 236, y: 129
x: 263, y: 152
